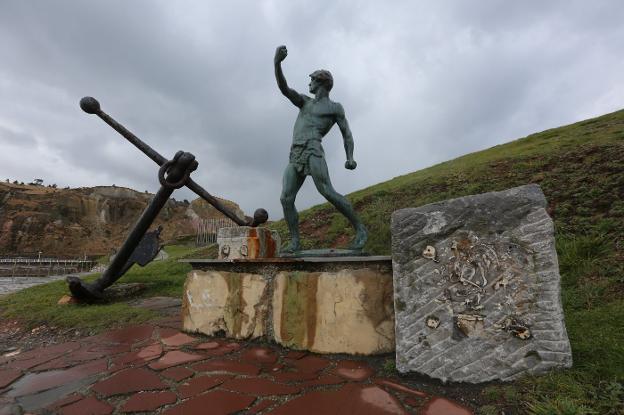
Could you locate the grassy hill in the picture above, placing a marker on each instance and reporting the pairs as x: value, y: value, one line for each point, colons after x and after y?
x: 580, y: 168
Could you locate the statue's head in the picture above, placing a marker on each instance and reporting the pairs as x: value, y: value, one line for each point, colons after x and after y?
x: 322, y: 78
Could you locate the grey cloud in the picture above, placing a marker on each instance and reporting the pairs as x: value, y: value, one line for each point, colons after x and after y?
x: 421, y: 83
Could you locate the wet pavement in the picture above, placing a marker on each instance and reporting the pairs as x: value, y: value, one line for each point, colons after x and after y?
x: 12, y: 284
x: 155, y: 368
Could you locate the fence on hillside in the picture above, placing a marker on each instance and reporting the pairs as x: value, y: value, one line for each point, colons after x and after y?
x: 207, y: 230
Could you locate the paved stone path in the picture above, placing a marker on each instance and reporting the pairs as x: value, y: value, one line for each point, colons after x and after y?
x: 155, y: 368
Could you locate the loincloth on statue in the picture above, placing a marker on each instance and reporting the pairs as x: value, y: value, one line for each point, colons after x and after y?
x: 300, y: 155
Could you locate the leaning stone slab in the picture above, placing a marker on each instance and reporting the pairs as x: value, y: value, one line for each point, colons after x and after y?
x: 477, y: 288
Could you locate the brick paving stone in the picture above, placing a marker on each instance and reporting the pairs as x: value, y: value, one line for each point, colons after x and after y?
x: 350, y: 399
x: 172, y: 322
x: 441, y: 406
x: 213, y: 403
x: 87, y: 406
x: 288, y: 377
x: 398, y: 387
x: 295, y: 354
x: 49, y: 351
x: 175, y: 358
x: 259, y: 387
x: 175, y: 338
x: 9, y: 376
x: 200, y: 384
x: 233, y: 345
x: 260, y: 355
x: 70, y: 359
x: 273, y: 368
x: 110, y: 349
x: 126, y: 335
x: 223, y: 365
x: 37, y: 382
x: 310, y: 364
x: 138, y: 358
x: 207, y: 346
x: 260, y: 406
x: 177, y: 373
x: 353, y: 370
x: 74, y: 397
x: 129, y: 380
x: 148, y: 401
x: 42, y: 355
x: 323, y: 380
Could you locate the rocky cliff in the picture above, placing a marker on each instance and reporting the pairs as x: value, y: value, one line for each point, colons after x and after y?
x: 91, y: 221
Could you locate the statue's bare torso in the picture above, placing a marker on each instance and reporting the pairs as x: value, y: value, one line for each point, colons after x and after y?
x: 316, y: 117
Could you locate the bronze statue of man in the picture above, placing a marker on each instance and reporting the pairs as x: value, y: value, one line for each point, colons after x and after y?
x: 316, y: 117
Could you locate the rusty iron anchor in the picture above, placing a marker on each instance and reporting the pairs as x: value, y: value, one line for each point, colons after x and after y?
x: 173, y: 174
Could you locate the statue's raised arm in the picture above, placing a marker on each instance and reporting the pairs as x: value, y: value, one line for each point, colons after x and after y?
x: 280, y: 54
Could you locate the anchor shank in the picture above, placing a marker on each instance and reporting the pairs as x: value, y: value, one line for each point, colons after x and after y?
x: 113, y: 272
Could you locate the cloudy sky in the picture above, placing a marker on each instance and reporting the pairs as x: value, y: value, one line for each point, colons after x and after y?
x: 421, y: 82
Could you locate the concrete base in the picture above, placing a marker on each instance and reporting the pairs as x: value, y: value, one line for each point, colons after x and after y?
x: 325, y: 305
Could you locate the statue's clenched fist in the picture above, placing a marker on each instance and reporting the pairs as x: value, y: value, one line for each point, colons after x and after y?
x: 280, y: 53
x: 350, y: 164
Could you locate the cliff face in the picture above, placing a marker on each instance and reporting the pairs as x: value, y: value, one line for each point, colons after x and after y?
x: 92, y: 221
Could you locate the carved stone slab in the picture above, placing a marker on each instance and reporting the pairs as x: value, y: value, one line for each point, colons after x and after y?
x: 477, y: 288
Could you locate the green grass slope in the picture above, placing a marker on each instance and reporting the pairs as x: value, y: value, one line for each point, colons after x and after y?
x: 580, y: 168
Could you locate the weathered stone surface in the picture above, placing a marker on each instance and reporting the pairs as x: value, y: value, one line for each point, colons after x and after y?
x: 234, y: 303
x: 477, y: 288
x: 348, y: 311
x: 245, y: 242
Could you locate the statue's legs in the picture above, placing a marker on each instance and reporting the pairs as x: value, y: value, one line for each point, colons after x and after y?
x: 291, y: 183
x: 320, y: 174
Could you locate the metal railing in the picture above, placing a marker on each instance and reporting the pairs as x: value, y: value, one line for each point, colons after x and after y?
x: 26, y: 267
x: 207, y: 230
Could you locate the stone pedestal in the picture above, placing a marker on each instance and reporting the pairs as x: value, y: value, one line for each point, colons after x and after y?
x: 245, y: 242
x: 325, y: 305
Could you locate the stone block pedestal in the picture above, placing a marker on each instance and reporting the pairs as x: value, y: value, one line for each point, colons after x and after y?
x: 325, y: 305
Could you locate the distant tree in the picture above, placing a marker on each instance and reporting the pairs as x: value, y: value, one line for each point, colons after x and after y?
x: 15, y: 182
x: 38, y: 182
x: 53, y: 185
x: 22, y: 183
x: 186, y: 202
x: 7, y: 180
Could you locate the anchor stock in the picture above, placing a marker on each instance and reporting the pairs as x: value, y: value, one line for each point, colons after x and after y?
x: 173, y: 174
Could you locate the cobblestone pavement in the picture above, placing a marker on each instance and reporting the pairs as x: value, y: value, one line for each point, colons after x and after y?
x: 155, y: 368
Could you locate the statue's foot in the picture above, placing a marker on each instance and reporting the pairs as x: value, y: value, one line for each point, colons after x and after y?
x: 361, y: 236
x: 292, y: 247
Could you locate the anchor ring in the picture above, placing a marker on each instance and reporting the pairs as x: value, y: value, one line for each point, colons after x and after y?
x: 163, y: 181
